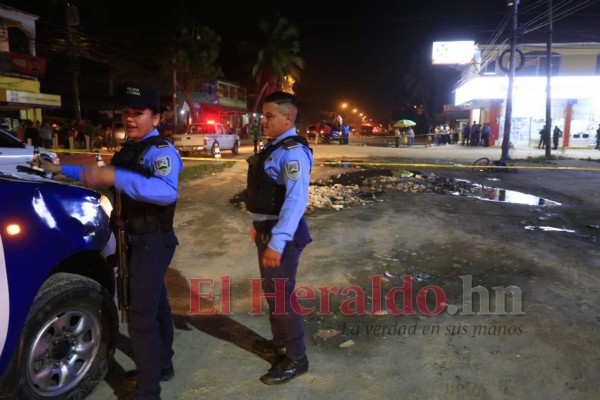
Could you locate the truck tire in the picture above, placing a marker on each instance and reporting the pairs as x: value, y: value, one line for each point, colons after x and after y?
x: 68, y: 339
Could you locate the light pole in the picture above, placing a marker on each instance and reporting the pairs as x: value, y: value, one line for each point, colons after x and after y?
x: 174, y: 99
x: 511, y: 79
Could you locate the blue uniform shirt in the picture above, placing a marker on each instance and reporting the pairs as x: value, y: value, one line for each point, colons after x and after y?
x: 289, y: 167
x: 160, y: 188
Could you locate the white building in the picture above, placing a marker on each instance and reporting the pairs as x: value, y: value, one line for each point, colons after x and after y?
x: 20, y: 69
x: 575, y: 92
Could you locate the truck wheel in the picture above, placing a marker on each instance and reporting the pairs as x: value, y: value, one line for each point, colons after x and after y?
x: 68, y: 339
x: 236, y: 148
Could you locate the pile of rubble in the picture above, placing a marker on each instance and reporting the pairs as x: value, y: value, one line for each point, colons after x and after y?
x: 337, y: 195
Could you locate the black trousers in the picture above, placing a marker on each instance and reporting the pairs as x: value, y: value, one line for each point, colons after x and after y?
x: 150, y: 319
x: 287, y: 329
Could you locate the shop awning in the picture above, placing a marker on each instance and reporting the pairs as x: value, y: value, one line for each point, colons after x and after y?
x: 29, y: 99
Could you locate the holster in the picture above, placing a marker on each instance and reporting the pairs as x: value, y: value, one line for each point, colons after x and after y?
x: 265, y: 226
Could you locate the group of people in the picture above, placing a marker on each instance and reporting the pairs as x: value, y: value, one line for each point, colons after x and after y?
x: 544, y: 137
x: 476, y: 135
x: 144, y: 174
x: 443, y: 134
x: 341, y: 130
x: 36, y: 133
x: 407, y: 133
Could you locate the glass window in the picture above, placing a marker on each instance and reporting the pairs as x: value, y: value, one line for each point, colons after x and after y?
x: 535, y: 64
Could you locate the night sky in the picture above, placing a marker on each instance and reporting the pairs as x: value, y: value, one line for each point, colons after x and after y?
x: 354, y: 53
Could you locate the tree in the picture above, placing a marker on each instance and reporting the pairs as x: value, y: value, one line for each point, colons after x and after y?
x: 193, y: 55
x: 278, y: 58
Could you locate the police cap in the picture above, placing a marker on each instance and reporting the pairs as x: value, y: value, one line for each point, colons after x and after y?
x: 140, y: 97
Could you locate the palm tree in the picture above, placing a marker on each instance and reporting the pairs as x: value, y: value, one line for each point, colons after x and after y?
x: 278, y: 58
x: 418, y: 82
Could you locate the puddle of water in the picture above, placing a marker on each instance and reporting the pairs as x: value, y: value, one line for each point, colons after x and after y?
x: 548, y: 229
x: 505, y: 196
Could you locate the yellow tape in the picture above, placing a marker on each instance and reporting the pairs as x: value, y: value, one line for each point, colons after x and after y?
x: 368, y: 163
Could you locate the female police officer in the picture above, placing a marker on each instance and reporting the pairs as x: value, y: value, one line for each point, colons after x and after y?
x: 145, y: 171
x: 277, y: 196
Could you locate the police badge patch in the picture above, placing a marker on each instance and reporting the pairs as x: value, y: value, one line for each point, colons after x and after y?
x: 292, y: 170
x: 162, y: 166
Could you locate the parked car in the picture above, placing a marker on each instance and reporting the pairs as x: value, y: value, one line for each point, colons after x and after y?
x: 366, y: 130
x: 13, y: 152
x: 58, y: 319
x: 206, y: 136
x: 311, y: 131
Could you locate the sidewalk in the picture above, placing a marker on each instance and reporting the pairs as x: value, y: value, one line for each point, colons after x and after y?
x: 450, y: 152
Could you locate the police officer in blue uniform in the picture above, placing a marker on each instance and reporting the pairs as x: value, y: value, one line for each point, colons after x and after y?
x: 276, y: 197
x: 145, y: 172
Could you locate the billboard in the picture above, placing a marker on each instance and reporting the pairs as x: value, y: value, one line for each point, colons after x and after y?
x: 458, y: 52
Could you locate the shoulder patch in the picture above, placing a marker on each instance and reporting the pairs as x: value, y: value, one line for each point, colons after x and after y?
x: 290, y: 144
x: 292, y: 170
x: 162, y: 166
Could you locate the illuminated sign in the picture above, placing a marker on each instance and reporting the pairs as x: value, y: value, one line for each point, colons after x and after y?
x: 28, y: 65
x: 561, y: 87
x: 458, y: 52
x: 18, y: 98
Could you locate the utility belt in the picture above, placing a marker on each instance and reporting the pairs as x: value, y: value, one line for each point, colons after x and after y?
x: 265, y: 226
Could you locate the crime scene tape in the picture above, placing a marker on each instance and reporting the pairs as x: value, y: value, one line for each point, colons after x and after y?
x: 374, y: 163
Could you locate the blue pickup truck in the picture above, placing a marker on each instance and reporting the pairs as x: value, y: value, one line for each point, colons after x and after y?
x: 58, y: 319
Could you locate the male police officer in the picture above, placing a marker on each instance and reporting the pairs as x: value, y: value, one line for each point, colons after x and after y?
x: 145, y: 171
x: 277, y: 196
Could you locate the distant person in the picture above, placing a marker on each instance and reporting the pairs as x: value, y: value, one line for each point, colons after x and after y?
x: 345, y: 134
x: 32, y: 133
x: 598, y: 137
x: 21, y: 130
x: 556, y: 134
x: 466, y: 134
x: 398, y: 136
x: 475, y: 133
x: 326, y: 131
x: 336, y: 128
x: 255, y: 131
x: 485, y: 134
x: 542, y: 143
x: 46, y: 134
x: 410, y: 134
x: 109, y: 137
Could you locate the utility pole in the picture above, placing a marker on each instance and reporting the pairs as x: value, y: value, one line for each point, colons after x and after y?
x: 548, y: 79
x: 174, y: 99
x: 72, y: 18
x: 511, y: 79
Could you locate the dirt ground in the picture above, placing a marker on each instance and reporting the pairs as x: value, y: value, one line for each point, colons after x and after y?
x: 541, y: 341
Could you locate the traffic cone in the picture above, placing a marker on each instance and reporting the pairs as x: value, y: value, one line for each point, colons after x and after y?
x: 216, y: 150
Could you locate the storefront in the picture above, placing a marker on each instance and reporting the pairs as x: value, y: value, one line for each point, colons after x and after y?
x: 20, y: 99
x: 574, y: 92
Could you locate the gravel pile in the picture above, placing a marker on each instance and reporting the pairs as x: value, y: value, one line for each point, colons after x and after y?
x: 336, y: 196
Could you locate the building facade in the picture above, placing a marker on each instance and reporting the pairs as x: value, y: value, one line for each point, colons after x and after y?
x: 20, y: 69
x: 575, y: 92
x: 219, y: 102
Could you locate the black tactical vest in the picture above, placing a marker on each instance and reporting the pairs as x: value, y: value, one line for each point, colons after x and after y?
x: 141, y: 217
x: 263, y: 194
